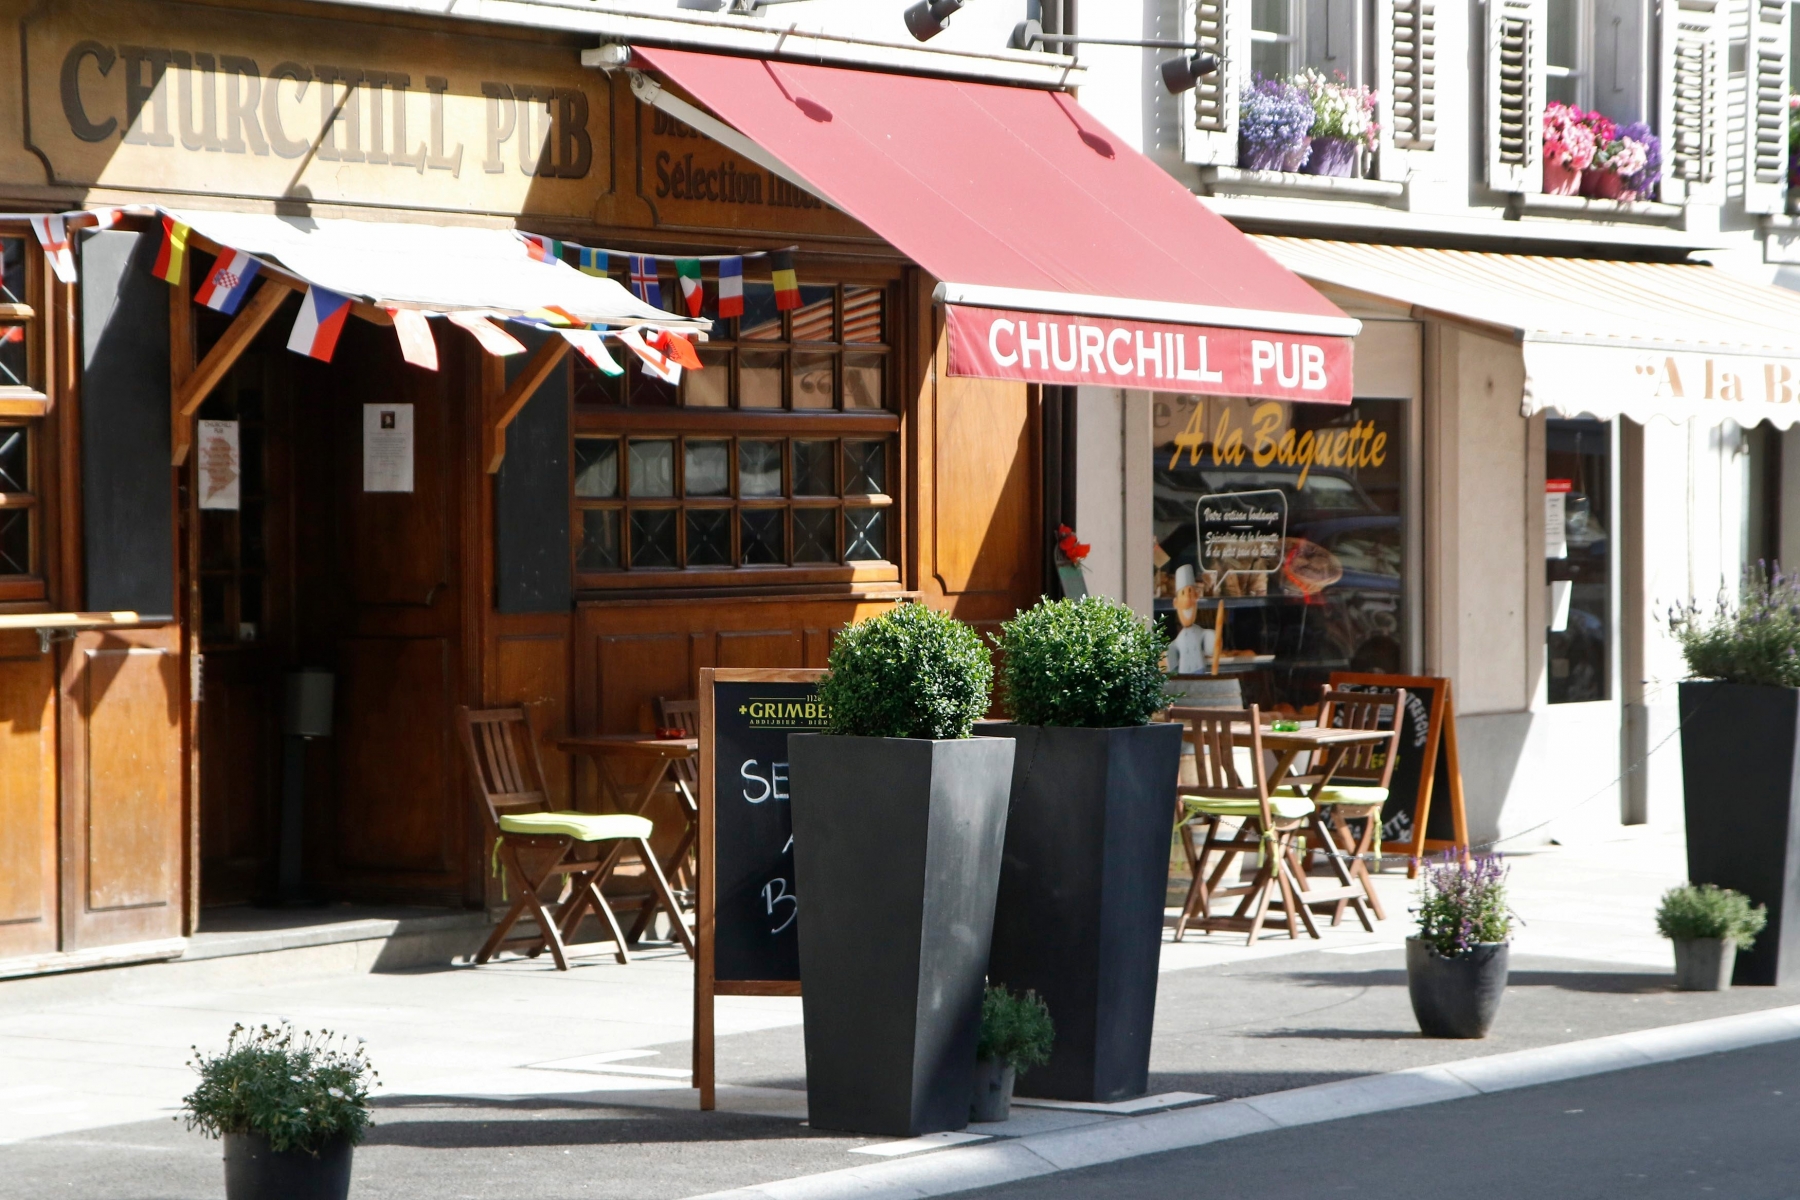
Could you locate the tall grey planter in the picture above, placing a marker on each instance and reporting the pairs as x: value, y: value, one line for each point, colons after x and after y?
x: 1739, y: 773
x: 896, y: 861
x: 1083, y: 881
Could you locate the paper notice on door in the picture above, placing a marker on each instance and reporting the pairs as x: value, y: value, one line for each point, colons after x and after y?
x: 387, y: 447
x: 1556, y: 517
x: 218, y: 464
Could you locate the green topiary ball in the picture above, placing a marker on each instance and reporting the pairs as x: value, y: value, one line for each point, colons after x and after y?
x: 911, y: 672
x: 1088, y: 663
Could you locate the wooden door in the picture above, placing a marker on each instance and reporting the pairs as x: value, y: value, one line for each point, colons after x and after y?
x: 28, y: 891
x: 122, y: 796
x: 378, y: 587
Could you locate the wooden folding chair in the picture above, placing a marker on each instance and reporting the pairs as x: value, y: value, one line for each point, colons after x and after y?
x: 1268, y: 825
x: 536, y: 845
x: 1356, y: 791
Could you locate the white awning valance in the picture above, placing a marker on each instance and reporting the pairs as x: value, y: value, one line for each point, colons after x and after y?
x: 1600, y: 338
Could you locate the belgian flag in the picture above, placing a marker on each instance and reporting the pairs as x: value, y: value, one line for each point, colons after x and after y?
x: 787, y: 283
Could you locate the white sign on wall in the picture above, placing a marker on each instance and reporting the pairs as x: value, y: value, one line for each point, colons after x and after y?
x: 220, y: 467
x: 387, y: 447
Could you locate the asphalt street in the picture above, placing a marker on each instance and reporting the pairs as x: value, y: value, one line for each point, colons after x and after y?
x: 1727, y: 1125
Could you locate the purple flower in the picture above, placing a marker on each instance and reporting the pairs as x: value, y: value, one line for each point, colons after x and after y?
x: 1645, y: 180
x: 1273, y: 113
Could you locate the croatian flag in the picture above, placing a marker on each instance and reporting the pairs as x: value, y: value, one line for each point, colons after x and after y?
x: 322, y: 316
x: 225, y: 288
x: 731, y: 287
x: 643, y: 280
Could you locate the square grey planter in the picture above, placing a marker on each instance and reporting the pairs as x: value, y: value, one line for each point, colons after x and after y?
x: 1704, y: 964
x: 1083, y: 882
x: 1739, y: 772
x: 896, y: 862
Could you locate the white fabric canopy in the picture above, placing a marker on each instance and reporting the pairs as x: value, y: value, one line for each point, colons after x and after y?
x: 429, y: 267
x: 1602, y: 338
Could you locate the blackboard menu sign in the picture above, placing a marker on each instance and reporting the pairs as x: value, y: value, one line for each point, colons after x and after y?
x: 1424, y: 810
x: 746, y: 927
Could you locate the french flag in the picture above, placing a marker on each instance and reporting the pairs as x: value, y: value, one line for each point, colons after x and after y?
x: 322, y: 316
x: 228, y: 283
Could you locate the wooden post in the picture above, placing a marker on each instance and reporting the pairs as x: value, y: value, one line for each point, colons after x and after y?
x: 197, y: 382
x: 705, y: 900
x: 537, y: 369
x: 1218, y: 630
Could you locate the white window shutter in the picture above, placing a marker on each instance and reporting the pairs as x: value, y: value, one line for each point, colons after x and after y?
x: 1515, y: 95
x: 1765, y: 136
x: 1691, y: 53
x: 1222, y: 28
x: 1411, y: 88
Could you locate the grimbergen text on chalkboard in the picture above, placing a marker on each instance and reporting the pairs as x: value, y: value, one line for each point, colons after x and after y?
x: 747, y: 914
x: 1424, y: 810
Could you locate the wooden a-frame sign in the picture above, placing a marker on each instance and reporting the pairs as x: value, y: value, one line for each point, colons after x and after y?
x: 745, y: 932
x: 1429, y: 767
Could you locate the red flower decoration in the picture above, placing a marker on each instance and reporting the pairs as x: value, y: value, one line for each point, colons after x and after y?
x: 1071, y: 549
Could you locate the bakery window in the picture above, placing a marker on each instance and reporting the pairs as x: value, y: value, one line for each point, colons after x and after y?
x: 776, y: 462
x: 1332, y: 597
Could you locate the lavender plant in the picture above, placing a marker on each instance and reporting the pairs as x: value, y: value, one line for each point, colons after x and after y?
x: 1755, y: 640
x: 1643, y: 181
x: 298, y: 1090
x: 1273, y: 114
x: 1462, y: 903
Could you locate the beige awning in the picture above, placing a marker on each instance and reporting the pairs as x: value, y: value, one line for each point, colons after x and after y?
x: 1600, y: 338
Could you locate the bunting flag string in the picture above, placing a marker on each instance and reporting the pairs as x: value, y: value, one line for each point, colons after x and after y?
x: 417, y: 346
x: 646, y: 285
x: 644, y: 281
x: 321, y: 319
x: 489, y: 336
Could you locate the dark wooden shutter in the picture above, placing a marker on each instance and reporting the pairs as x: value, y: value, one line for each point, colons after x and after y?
x: 531, y: 498
x: 127, y: 500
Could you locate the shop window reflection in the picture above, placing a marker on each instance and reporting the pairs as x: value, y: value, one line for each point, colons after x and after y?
x: 1578, y: 558
x: 1336, y: 602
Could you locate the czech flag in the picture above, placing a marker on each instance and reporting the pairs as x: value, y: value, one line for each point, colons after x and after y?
x: 787, y: 283
x: 322, y: 317
x: 731, y: 287
x: 229, y: 282
x: 644, y: 281
x: 171, y: 260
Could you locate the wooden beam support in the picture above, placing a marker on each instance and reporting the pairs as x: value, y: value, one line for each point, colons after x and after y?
x: 537, y: 369
x: 181, y: 369
x: 192, y: 392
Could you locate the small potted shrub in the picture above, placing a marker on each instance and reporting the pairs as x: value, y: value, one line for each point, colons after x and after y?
x: 1708, y: 925
x: 1016, y: 1035
x: 290, y: 1108
x: 1456, y: 964
x: 1343, y: 124
x: 1079, y: 920
x: 1275, y: 120
x: 1568, y: 148
x: 899, y: 816
x: 1740, y: 731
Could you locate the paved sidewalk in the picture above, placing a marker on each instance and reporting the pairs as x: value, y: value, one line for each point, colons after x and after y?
x: 578, y: 1078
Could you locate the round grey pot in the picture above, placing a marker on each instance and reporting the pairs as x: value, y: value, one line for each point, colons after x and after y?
x: 255, y: 1172
x: 1704, y: 964
x: 992, y: 1098
x: 1455, y: 997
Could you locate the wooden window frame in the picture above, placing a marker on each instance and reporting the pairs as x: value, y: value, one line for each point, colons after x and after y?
x: 23, y: 407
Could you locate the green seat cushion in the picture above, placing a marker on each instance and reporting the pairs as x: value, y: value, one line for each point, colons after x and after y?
x: 1346, y: 793
x: 1288, y: 808
x: 583, y: 827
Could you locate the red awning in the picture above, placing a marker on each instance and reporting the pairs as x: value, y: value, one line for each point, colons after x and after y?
x: 1024, y: 205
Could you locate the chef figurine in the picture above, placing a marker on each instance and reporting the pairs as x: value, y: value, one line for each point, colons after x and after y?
x: 1191, y: 651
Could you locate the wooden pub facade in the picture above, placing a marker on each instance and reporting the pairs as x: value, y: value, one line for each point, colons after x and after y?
x: 583, y: 547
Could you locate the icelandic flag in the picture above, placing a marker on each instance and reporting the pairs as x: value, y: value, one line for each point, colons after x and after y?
x: 322, y: 316
x: 643, y: 280
x: 731, y: 287
x: 592, y: 262
x: 228, y: 283
x: 687, y: 270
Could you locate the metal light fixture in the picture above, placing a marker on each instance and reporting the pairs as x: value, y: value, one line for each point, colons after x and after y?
x: 926, y: 19
x: 1178, y: 74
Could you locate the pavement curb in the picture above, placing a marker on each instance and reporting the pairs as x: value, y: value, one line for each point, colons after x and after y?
x: 960, y: 1169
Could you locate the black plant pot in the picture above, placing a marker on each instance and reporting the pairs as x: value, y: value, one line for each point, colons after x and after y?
x: 1738, y: 771
x: 896, y: 861
x: 1079, y: 919
x: 255, y: 1172
x: 1455, y: 997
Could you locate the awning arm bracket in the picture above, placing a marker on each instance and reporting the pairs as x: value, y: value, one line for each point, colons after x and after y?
x: 192, y: 387
x: 655, y: 95
x: 523, y: 387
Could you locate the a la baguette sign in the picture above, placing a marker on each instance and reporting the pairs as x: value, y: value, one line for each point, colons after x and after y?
x: 994, y: 343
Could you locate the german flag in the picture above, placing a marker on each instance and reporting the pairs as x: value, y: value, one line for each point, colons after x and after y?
x: 787, y: 283
x: 171, y: 260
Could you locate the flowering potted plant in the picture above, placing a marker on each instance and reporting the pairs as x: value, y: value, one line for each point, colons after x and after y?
x: 290, y: 1109
x: 1456, y: 964
x: 1569, y: 147
x: 1626, y: 165
x: 1275, y: 120
x: 1343, y: 123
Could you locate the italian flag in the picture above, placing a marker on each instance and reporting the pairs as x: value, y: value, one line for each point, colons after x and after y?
x: 692, y: 291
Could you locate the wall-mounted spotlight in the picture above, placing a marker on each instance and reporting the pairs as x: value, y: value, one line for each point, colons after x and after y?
x: 926, y: 19
x: 1178, y: 74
